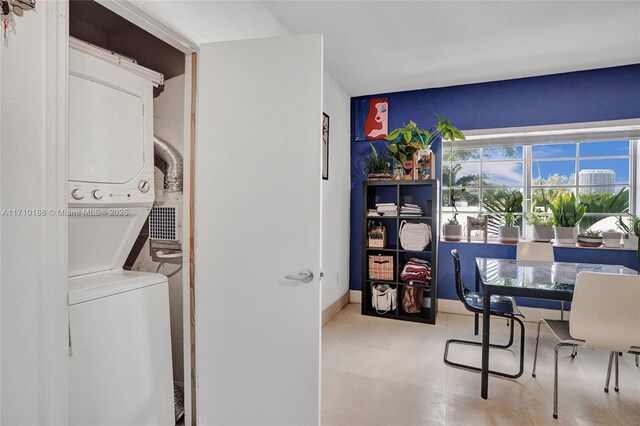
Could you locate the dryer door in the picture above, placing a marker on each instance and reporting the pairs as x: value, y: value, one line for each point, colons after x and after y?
x: 106, y: 132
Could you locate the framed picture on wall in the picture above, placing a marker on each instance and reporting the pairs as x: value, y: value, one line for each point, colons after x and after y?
x: 325, y: 146
x: 371, y: 119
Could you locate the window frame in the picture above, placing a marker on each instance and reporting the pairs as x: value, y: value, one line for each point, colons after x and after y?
x: 579, y: 133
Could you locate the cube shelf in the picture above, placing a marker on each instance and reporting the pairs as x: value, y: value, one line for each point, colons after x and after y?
x: 423, y: 193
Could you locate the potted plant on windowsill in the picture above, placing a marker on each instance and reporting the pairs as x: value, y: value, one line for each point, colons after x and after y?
x: 504, y: 208
x: 631, y: 230
x: 541, y: 226
x: 509, y: 233
x: 410, y: 138
x: 567, y: 214
x: 452, y: 230
x: 611, y: 238
x: 375, y: 166
x: 590, y: 238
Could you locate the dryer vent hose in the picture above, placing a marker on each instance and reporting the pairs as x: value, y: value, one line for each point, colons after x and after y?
x: 173, y: 164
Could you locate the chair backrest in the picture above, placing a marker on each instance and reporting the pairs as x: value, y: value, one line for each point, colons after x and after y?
x: 532, y: 251
x: 461, y: 290
x: 605, y: 311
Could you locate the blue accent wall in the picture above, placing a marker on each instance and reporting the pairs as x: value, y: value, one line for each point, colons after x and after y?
x: 584, y: 96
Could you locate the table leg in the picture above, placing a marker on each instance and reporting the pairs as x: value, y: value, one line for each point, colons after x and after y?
x: 476, y: 316
x: 486, y: 301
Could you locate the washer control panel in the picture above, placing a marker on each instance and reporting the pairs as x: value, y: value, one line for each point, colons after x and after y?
x: 136, y: 192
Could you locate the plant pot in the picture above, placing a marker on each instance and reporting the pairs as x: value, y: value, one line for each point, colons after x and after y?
x: 399, y: 172
x: 509, y: 234
x: 611, y: 239
x: 452, y: 232
x: 542, y: 233
x: 631, y: 242
x: 565, y: 234
x: 378, y: 176
x: 589, y: 242
x: 408, y: 169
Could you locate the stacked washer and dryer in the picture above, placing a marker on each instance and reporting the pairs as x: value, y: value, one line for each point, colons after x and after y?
x: 120, y: 342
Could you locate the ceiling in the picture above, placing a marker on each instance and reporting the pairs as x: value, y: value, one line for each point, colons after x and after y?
x: 384, y: 46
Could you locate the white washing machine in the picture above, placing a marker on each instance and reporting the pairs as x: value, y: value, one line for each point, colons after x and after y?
x: 120, y: 341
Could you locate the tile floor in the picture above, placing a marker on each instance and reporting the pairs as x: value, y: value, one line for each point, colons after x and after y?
x: 385, y: 372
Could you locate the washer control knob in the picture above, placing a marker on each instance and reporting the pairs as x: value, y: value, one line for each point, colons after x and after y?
x: 77, y: 194
x: 143, y: 186
x: 97, y: 194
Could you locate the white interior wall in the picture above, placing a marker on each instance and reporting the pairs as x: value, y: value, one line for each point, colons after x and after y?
x: 168, y: 124
x: 335, y: 195
x: 33, y: 350
x: 21, y: 186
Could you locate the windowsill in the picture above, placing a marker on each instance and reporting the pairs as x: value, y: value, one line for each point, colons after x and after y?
x: 496, y: 242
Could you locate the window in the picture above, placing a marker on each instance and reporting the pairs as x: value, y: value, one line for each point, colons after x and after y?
x: 483, y: 176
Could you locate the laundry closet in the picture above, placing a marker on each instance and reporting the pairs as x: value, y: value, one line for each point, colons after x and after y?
x: 129, y: 296
x: 219, y: 282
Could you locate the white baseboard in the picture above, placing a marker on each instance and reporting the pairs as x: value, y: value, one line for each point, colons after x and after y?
x: 456, y: 307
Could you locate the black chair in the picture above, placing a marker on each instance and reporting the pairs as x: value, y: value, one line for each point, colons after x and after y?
x: 501, y: 306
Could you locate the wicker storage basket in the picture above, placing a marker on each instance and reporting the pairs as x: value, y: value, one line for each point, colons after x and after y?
x: 381, y: 268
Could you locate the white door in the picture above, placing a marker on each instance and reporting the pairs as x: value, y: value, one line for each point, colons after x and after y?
x: 257, y: 219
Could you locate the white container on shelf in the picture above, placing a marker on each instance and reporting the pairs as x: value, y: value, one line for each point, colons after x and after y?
x: 631, y: 242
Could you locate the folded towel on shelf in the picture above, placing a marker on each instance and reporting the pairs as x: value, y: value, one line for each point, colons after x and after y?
x: 417, y: 271
x: 411, y: 210
x: 387, y: 209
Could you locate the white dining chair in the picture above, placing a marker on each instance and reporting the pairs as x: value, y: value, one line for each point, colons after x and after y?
x: 614, y: 356
x: 604, y: 315
x: 532, y: 251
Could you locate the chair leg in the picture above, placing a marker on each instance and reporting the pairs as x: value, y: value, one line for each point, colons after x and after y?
x: 555, y: 380
x: 637, y: 358
x: 606, y: 385
x: 616, y: 388
x: 535, y: 353
x: 491, y: 345
x: 574, y: 352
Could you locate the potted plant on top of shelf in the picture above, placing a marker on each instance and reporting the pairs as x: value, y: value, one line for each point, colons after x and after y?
x: 375, y: 166
x: 410, y: 138
x: 567, y: 214
x: 541, y: 225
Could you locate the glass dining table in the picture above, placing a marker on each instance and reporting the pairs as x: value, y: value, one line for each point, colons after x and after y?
x: 540, y: 280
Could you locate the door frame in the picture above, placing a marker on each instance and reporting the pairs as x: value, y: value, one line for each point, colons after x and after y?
x: 54, y: 408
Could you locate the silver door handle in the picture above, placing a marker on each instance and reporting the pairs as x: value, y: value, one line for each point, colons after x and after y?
x: 306, y: 276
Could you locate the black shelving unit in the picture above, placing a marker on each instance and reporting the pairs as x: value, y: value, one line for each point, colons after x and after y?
x: 424, y: 193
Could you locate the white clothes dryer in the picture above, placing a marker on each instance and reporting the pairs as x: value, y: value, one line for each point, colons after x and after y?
x: 120, y: 338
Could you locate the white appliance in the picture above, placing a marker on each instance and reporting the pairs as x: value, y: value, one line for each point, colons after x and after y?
x: 120, y: 342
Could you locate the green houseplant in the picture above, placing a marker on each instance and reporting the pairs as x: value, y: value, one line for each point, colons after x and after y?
x: 567, y: 214
x: 631, y: 230
x: 375, y: 166
x: 611, y: 238
x: 590, y: 238
x: 504, y: 207
x: 410, y: 138
x: 452, y: 230
x: 541, y: 226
